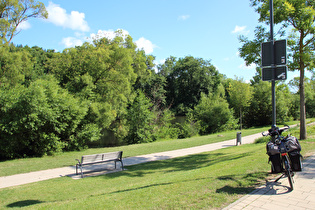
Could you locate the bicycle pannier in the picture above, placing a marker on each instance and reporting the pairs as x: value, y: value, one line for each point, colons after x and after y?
x: 275, y: 163
x: 292, y: 143
x: 272, y: 148
x: 295, y: 158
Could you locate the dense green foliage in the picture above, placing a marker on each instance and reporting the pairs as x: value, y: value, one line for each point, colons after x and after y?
x: 295, y: 20
x: 107, y: 93
x: 187, y: 79
x: 42, y: 119
x: 213, y: 114
x: 15, y: 12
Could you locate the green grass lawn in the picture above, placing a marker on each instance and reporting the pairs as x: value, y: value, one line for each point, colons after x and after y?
x: 68, y: 158
x: 17, y: 166
x: 208, y: 180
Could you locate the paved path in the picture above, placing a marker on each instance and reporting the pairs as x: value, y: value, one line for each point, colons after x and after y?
x: 269, y: 196
x: 36, y: 176
x: 278, y: 196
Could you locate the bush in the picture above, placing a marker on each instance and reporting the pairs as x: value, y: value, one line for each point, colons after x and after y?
x: 188, y: 128
x: 263, y: 139
x: 42, y: 119
x: 214, y: 115
x: 140, y: 120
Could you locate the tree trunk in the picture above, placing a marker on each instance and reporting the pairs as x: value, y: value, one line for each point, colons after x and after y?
x: 302, y: 107
x: 302, y: 92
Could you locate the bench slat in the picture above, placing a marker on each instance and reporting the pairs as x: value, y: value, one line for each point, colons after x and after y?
x: 87, y: 159
x: 99, y: 158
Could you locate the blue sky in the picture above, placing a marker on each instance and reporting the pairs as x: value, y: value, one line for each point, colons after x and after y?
x: 207, y: 29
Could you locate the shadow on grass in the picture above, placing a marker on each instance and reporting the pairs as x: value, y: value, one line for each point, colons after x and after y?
x: 20, y: 204
x: 148, y: 186
x: 186, y: 163
x: 240, y: 189
x: 193, y: 162
x: 235, y: 190
x: 226, y: 189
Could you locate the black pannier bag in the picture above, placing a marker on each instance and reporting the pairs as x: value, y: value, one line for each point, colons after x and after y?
x: 275, y: 164
x: 292, y: 144
x: 296, y: 163
x: 274, y: 157
x: 272, y: 148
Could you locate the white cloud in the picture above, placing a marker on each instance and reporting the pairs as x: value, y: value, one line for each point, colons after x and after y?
x: 145, y: 44
x: 158, y: 62
x: 240, y: 30
x: 71, y: 42
x: 250, y: 67
x: 24, y: 26
x: 183, y: 17
x: 110, y: 34
x: 141, y: 43
x: 162, y: 61
x: 74, y: 20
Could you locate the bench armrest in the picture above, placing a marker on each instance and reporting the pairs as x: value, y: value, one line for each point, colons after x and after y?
x: 78, y: 161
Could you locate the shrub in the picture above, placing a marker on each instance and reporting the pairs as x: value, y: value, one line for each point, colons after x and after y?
x: 214, y: 115
x: 140, y: 120
x: 42, y: 119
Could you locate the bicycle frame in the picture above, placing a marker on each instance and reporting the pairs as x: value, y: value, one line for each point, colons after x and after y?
x: 285, y: 163
x: 278, y: 139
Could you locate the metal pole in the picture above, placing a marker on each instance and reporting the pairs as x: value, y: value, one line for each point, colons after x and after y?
x: 273, y: 83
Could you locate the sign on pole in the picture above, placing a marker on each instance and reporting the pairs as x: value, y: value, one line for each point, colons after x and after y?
x: 280, y: 74
x: 274, y: 68
x: 280, y: 53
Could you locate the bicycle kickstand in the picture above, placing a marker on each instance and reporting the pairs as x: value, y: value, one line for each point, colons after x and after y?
x: 279, y: 178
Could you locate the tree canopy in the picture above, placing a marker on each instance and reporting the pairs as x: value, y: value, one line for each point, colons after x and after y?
x: 15, y: 12
x: 187, y: 78
x: 107, y: 92
x: 297, y: 18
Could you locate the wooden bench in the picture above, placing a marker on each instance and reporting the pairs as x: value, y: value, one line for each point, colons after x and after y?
x: 99, y: 158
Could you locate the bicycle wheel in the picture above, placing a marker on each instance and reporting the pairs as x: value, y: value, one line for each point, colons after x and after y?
x: 288, y: 171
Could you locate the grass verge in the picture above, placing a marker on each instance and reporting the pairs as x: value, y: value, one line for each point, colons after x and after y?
x: 208, y: 180
x: 17, y: 166
x: 25, y: 165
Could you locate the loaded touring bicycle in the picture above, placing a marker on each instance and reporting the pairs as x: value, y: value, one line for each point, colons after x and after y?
x: 284, y: 154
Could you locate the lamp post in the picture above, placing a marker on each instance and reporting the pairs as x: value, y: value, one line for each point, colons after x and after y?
x: 273, y: 82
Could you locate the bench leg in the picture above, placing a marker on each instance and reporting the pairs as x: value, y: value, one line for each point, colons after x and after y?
x: 122, y: 165
x: 76, y: 170
x: 81, y: 172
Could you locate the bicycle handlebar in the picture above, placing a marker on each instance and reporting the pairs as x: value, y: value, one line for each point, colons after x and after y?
x: 275, y: 131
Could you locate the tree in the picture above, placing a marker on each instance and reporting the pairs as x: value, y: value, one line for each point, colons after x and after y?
x: 140, y: 120
x: 213, y: 114
x: 15, y: 12
x: 310, y: 97
x: 104, y: 73
x: 15, y: 65
x: 258, y: 113
x: 42, y: 119
x: 187, y: 78
x: 285, y: 103
x: 300, y: 16
x: 240, y: 95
